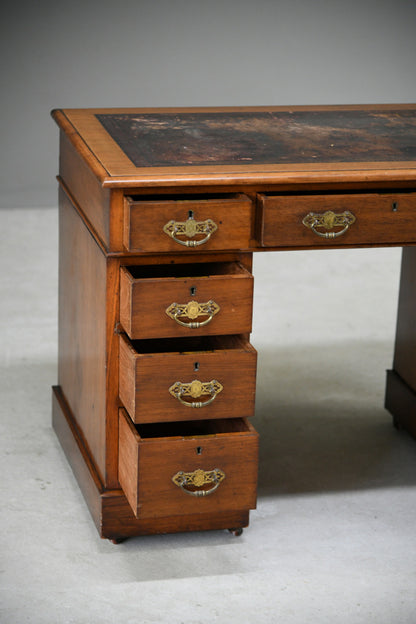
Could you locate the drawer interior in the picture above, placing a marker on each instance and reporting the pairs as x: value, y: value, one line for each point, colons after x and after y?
x: 185, y: 270
x: 193, y: 429
x: 149, y: 370
x: 195, y: 344
x: 336, y: 218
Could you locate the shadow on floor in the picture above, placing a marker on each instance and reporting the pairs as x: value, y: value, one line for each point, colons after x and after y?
x: 322, y: 423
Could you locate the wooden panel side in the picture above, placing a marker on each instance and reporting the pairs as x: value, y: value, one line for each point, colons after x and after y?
x: 128, y: 465
x: 82, y: 329
x: 77, y: 454
x: 405, y: 348
x: 127, y: 376
x: 112, y: 374
x: 87, y: 190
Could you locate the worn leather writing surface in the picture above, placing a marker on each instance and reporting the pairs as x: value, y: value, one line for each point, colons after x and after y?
x: 262, y: 137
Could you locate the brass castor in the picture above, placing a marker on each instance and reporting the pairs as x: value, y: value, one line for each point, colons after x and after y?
x: 236, y: 532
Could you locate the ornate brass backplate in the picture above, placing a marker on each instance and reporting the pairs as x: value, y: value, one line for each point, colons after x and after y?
x: 192, y: 310
x: 195, y: 389
x: 328, y: 220
x: 197, y: 479
x: 190, y: 228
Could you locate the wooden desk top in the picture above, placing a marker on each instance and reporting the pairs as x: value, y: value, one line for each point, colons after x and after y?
x: 262, y: 145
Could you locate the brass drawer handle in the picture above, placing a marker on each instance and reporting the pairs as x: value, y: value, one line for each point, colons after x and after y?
x: 192, y: 310
x: 329, y: 220
x: 190, y: 228
x: 195, y: 389
x: 197, y: 479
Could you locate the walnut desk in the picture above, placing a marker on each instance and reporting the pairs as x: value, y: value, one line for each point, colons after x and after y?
x: 160, y: 213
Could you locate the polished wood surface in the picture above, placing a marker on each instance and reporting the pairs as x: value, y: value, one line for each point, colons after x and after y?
x: 124, y: 434
x: 120, y: 171
x: 145, y: 218
x: 381, y: 218
x: 147, y: 292
x: 147, y: 371
x: 147, y: 465
x: 82, y: 330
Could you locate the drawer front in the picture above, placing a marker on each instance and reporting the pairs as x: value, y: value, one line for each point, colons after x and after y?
x: 186, y: 300
x: 344, y: 219
x: 199, y: 379
x: 180, y: 469
x: 180, y: 224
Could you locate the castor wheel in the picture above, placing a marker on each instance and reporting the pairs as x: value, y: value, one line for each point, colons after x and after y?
x: 236, y: 532
x: 117, y: 540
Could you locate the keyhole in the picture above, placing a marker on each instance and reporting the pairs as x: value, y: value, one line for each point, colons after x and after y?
x: 190, y: 214
x: 199, y: 450
x: 196, y: 366
x: 192, y: 290
x: 395, y: 206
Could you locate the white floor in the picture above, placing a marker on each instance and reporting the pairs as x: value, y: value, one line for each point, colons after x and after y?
x: 333, y: 539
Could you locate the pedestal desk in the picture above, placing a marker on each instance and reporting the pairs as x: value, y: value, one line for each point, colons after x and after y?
x: 160, y: 212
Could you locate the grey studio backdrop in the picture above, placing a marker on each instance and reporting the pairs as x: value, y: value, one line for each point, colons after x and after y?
x: 333, y: 538
x: 187, y: 53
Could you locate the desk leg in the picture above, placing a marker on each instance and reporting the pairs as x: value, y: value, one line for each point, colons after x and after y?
x: 401, y: 381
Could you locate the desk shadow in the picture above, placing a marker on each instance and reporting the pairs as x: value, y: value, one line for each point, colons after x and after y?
x: 322, y: 423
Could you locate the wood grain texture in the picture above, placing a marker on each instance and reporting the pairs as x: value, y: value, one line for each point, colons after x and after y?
x: 145, y: 296
x: 147, y: 466
x: 146, y: 376
x: 380, y: 218
x: 145, y: 218
x: 122, y: 172
x: 86, y: 189
x: 82, y: 329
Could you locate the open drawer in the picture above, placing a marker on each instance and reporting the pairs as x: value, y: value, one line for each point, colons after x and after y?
x: 188, y: 378
x: 182, y: 223
x: 164, y: 301
x: 173, y: 469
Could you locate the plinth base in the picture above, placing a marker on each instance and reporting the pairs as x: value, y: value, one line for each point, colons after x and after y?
x: 110, y: 509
